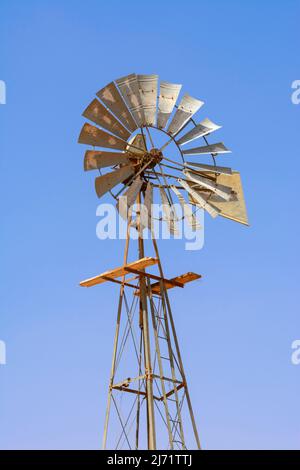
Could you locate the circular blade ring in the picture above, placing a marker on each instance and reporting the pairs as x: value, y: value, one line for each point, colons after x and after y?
x: 135, y: 102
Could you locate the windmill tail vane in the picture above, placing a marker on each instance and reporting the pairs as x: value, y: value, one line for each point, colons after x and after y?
x: 149, y: 404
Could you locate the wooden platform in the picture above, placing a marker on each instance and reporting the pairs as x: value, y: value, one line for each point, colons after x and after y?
x: 118, y: 272
x: 183, y: 279
x: 170, y: 283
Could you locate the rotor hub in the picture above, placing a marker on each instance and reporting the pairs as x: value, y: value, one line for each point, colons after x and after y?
x: 152, y: 157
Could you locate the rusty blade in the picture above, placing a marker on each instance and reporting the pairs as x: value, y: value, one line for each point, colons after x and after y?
x: 187, y: 107
x: 129, y: 89
x: 94, y: 159
x: 97, y: 113
x: 205, y: 127
x: 168, y: 95
x: 224, y: 192
x: 214, y: 149
x: 126, y: 201
x: 91, y: 135
x: 198, y: 199
x: 136, y: 145
x: 111, y: 97
x: 106, y: 182
x: 148, y: 93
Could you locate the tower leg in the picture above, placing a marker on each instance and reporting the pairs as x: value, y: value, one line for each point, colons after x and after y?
x: 146, y: 337
x: 116, y: 339
x: 177, y: 349
x: 138, y: 408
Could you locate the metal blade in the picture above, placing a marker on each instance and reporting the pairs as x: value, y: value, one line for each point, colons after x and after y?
x: 111, y: 97
x: 205, y: 127
x: 97, y: 113
x: 199, y: 200
x: 208, y: 195
x: 235, y: 209
x: 91, y: 135
x: 214, y: 149
x: 146, y: 209
x: 188, y: 106
x: 95, y: 159
x: 168, y: 212
x: 167, y: 99
x: 211, y: 168
x: 129, y: 89
x: 148, y: 93
x: 187, y: 211
x: 136, y: 145
x: 106, y: 182
x: 126, y: 201
x: 222, y: 191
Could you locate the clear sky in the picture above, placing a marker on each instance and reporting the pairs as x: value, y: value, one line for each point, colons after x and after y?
x: 237, y: 325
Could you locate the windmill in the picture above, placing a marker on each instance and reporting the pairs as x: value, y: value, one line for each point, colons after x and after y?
x: 147, y: 373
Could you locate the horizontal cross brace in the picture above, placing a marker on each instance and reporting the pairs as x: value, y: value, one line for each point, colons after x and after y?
x: 173, y: 391
x: 127, y: 381
x: 167, y: 379
x: 127, y: 284
x: 152, y: 276
x: 131, y: 390
x: 183, y: 279
x: 171, y: 283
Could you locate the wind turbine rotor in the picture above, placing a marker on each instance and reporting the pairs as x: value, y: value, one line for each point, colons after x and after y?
x: 120, y: 121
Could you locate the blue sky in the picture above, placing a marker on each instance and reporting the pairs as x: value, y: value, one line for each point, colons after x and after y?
x: 236, y: 326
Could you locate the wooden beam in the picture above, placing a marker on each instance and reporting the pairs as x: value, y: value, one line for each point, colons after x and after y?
x: 127, y: 284
x: 152, y: 276
x: 170, y: 283
x: 183, y: 279
x: 118, y: 272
